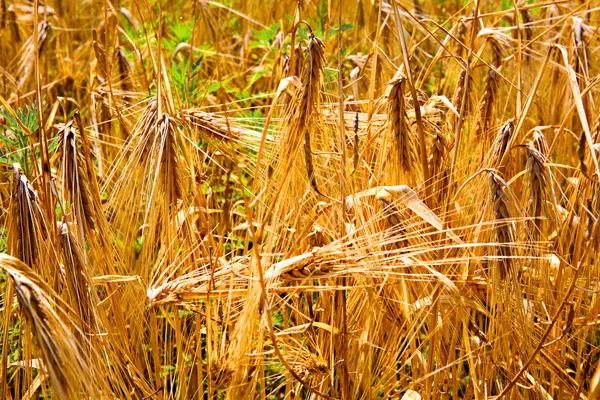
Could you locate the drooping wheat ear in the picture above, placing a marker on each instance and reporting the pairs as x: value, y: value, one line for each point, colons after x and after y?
x: 140, y: 142
x: 212, y: 127
x: 307, y: 271
x: 437, y: 164
x: 538, y: 184
x: 298, y: 63
x: 311, y: 80
x: 496, y: 48
x: 145, y: 124
x: 500, y: 144
x: 300, y: 115
x: 77, y: 277
x: 75, y: 183
x: 71, y: 373
x: 502, y: 224
x: 418, y: 8
x: 402, y: 151
x: 195, y: 285
x: 124, y: 69
x: 170, y: 176
x: 486, y: 108
x: 458, y: 93
x: 178, y: 291
x: 10, y: 16
x: 100, y: 56
x: 463, y: 26
x: 26, y: 223
x: 527, y: 23
x: 490, y: 91
x: 307, y: 364
x: 539, y: 142
x: 312, y: 264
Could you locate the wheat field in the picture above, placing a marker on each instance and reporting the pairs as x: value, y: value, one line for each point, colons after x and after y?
x: 318, y: 199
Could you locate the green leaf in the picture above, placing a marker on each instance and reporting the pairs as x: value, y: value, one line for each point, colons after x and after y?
x: 266, y: 35
x: 214, y: 87
x: 28, y: 116
x: 225, y: 85
x: 256, y: 76
x: 165, y: 370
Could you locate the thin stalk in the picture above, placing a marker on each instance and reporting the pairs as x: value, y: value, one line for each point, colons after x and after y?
x: 43, y: 139
x: 8, y: 295
x: 341, y: 295
x: 518, y: 59
x: 159, y: 51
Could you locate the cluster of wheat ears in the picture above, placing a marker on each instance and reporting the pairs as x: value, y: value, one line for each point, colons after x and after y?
x: 299, y: 200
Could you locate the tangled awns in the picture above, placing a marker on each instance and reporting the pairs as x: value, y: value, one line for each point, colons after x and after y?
x: 318, y: 199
